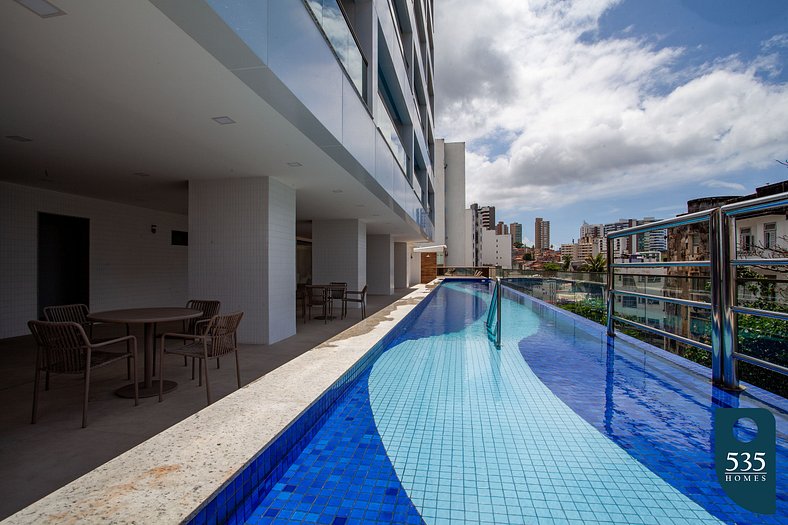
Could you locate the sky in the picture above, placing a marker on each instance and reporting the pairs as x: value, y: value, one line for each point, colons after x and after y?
x: 597, y: 110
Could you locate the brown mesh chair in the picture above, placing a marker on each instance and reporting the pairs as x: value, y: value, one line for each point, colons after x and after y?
x: 64, y: 348
x: 301, y: 300
x: 70, y: 313
x: 218, y: 339
x: 317, y: 296
x: 197, y: 325
x: 357, y: 297
x: 78, y: 313
x: 337, y: 290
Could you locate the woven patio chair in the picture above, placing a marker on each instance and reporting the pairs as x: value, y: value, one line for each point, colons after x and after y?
x: 357, y: 297
x: 78, y: 313
x: 197, y: 325
x: 317, y: 296
x: 301, y: 300
x: 337, y: 290
x: 64, y: 348
x: 217, y: 340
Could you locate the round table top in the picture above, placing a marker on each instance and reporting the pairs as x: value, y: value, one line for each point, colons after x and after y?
x: 145, y: 315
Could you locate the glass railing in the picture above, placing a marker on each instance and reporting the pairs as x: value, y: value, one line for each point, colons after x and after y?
x: 331, y: 18
x: 717, y: 297
x: 389, y: 131
x: 417, y: 189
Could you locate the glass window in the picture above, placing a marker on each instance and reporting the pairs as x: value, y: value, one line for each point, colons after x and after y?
x: 630, y: 302
x: 769, y: 235
x: 746, y: 240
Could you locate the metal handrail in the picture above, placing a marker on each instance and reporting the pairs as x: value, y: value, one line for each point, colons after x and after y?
x: 494, y: 332
x: 664, y: 264
x: 672, y: 300
x: 728, y: 216
x: 681, y: 220
x: 754, y: 205
x: 760, y: 262
x: 724, y: 310
x: 663, y: 333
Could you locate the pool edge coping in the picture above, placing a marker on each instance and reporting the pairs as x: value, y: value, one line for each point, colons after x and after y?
x: 170, y: 476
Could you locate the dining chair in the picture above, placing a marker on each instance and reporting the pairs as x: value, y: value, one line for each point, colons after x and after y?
x: 337, y: 290
x: 65, y: 348
x: 197, y: 325
x: 317, y: 296
x: 218, y: 339
x: 301, y: 300
x: 78, y: 313
x: 357, y: 297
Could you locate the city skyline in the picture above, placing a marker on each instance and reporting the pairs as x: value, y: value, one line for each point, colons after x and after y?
x: 600, y: 111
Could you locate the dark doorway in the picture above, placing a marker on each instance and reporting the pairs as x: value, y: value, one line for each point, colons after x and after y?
x: 63, y: 260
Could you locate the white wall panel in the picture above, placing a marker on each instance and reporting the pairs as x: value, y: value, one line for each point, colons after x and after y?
x: 129, y: 266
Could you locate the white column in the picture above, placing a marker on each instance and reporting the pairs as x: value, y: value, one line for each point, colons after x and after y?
x: 242, y: 253
x: 401, y: 259
x: 339, y: 252
x: 414, y: 270
x: 380, y: 264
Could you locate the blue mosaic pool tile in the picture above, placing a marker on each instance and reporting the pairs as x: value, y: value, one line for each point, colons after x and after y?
x: 304, y: 479
x: 660, y: 414
x: 239, y: 499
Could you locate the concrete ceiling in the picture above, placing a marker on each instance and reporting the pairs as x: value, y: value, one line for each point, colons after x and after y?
x: 118, y: 103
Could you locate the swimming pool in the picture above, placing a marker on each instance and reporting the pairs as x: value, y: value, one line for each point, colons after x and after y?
x: 557, y: 426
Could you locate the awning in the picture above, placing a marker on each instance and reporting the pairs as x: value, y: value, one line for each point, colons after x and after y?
x: 438, y: 248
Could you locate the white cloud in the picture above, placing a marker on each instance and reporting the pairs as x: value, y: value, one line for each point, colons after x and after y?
x: 714, y: 183
x: 586, y: 118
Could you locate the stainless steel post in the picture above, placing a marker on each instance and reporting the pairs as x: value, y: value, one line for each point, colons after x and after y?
x: 717, y: 297
x: 611, y: 330
x: 729, y: 334
x: 498, y: 308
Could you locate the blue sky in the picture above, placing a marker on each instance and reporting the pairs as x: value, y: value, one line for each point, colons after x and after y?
x: 604, y: 109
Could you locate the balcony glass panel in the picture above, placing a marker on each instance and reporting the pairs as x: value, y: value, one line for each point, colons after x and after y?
x: 389, y: 131
x: 337, y: 30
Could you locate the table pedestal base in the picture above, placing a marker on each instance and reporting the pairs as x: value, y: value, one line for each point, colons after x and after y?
x: 151, y: 391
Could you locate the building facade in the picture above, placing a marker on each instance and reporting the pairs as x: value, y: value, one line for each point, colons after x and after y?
x: 516, y: 230
x: 252, y: 126
x: 541, y: 234
x: 496, y: 249
x: 488, y: 217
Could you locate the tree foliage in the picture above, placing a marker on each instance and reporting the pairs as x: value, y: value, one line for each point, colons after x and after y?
x: 597, y: 263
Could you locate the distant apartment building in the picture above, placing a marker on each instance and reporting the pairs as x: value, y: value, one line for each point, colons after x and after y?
x: 456, y: 227
x: 496, y: 249
x: 488, y: 217
x: 595, y: 235
x: 516, y: 231
x: 541, y: 234
x: 591, y: 231
x: 473, y: 237
x: 448, y: 246
x: 501, y: 228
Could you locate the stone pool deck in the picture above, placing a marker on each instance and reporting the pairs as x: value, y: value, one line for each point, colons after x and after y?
x: 170, y: 456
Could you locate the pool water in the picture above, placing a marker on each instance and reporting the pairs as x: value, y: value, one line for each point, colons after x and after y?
x: 556, y: 426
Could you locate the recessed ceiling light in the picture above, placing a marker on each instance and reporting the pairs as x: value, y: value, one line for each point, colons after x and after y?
x: 42, y: 8
x: 18, y: 138
x: 336, y: 191
x: 142, y: 174
x: 223, y: 120
x: 294, y: 164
